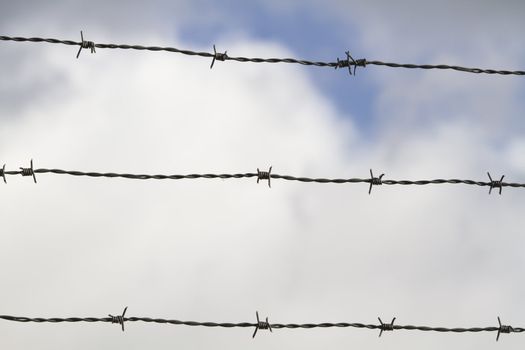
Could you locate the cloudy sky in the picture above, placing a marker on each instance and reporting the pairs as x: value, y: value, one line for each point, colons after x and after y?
x: 218, y: 250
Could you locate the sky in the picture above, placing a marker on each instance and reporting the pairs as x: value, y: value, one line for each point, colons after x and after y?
x: 219, y: 250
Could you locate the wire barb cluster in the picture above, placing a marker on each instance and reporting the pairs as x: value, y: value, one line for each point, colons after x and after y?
x: 261, y: 324
x: 2, y: 173
x: 119, y: 319
x: 385, y: 326
x: 266, y: 175
x: 503, y: 329
x: 218, y: 56
x: 375, y: 181
x: 349, y: 62
x: 85, y: 45
x: 28, y: 171
x: 495, y: 183
x: 266, y: 325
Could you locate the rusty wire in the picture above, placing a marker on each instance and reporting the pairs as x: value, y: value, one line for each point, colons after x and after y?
x: 348, y: 62
x: 265, y: 175
x: 266, y: 325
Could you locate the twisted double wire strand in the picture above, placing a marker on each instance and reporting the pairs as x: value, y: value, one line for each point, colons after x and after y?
x: 266, y: 325
x: 348, y: 62
x: 264, y: 175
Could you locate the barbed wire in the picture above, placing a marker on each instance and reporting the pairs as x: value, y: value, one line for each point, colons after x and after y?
x: 348, y: 62
x: 264, y: 175
x: 266, y: 325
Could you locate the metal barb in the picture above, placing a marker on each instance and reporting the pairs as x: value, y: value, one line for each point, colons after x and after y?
x: 349, y: 62
x: 264, y: 175
x: 374, y: 180
x: 350, y: 58
x: 219, y: 56
x: 503, y: 329
x: 28, y: 171
x: 2, y: 172
x: 361, y: 62
x: 385, y: 326
x: 261, y: 324
x: 496, y: 184
x: 119, y: 319
x: 85, y: 44
x: 342, y: 64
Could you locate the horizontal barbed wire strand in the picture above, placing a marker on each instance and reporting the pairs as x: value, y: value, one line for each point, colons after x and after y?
x: 263, y: 175
x: 347, y: 62
x: 121, y: 319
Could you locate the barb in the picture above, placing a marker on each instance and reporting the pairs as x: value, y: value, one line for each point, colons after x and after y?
x: 218, y: 56
x: 261, y: 324
x: 268, y: 175
x: 503, y: 329
x: 119, y: 318
x: 28, y: 171
x: 349, y: 62
x: 264, y: 175
x: 2, y: 173
x: 375, y: 181
x: 85, y: 45
x: 385, y: 326
x: 266, y: 325
x: 495, y: 184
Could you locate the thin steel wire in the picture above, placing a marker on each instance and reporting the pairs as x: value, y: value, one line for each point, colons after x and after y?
x: 265, y: 325
x: 348, y: 62
x: 265, y: 175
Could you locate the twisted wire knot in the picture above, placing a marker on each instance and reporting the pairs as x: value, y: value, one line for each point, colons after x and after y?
x: 503, y: 329
x: 496, y: 183
x: 28, y: 171
x: 349, y: 62
x: 219, y: 56
x: 361, y: 62
x: 385, y: 326
x: 2, y: 173
x: 84, y: 44
x: 261, y: 324
x: 119, y: 318
x: 264, y: 175
x: 375, y: 181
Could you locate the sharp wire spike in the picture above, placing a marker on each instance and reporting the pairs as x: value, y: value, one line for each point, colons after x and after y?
x: 28, y: 171
x: 85, y: 45
x: 119, y: 318
x: 3, y: 173
x: 385, y: 326
x: 265, y: 175
x: 503, y: 329
x: 375, y: 181
x: 261, y: 324
x: 495, y: 184
x: 350, y: 59
x: 219, y: 56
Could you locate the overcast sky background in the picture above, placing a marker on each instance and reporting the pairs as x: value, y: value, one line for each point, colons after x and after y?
x: 218, y: 250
